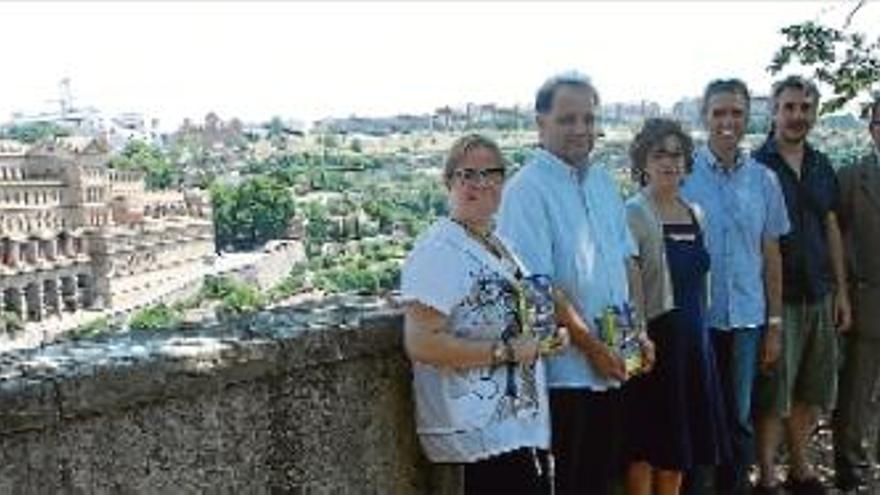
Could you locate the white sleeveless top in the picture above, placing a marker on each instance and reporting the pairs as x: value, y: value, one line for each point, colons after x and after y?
x: 466, y: 415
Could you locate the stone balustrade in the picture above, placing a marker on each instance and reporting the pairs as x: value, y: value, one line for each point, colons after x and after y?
x: 308, y: 399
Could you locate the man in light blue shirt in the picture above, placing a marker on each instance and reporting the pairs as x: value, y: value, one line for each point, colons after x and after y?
x: 746, y: 216
x: 564, y: 218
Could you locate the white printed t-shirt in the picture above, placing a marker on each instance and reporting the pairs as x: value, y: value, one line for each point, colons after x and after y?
x: 465, y: 415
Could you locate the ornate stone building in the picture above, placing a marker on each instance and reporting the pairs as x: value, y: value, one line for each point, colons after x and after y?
x: 76, y: 235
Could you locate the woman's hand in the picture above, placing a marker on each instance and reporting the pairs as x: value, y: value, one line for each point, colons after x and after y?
x: 555, y: 343
x: 525, y: 350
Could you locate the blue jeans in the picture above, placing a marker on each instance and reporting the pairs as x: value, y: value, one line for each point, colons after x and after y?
x: 736, y: 353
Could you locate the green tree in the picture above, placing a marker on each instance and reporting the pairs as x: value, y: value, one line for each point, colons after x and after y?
x: 138, y: 155
x: 37, y: 131
x: 848, y: 62
x: 251, y: 213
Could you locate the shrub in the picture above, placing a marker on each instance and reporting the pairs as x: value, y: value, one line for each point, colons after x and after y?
x: 158, y: 317
x: 93, y: 328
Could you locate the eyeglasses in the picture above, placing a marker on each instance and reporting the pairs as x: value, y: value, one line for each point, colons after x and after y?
x: 480, y: 177
x: 664, y: 154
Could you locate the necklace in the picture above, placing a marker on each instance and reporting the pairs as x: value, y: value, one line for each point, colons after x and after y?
x: 492, y: 244
x: 487, y: 240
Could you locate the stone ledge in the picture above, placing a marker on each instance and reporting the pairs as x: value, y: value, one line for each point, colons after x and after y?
x: 41, y: 387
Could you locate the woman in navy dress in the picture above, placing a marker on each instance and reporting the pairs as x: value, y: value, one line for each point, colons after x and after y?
x: 675, y: 413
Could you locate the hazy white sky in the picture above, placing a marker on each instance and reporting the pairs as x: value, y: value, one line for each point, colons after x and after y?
x: 311, y: 60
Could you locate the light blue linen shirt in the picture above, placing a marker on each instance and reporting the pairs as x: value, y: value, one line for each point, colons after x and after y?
x: 744, y: 206
x: 570, y: 224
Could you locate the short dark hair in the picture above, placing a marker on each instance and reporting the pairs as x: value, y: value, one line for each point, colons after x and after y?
x: 653, y: 132
x: 545, y: 94
x: 719, y: 86
x: 464, y: 145
x: 795, y: 82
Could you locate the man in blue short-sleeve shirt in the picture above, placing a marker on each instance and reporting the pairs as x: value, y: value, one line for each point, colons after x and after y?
x: 746, y: 216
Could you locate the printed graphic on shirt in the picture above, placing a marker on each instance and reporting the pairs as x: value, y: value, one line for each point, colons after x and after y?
x: 490, y: 312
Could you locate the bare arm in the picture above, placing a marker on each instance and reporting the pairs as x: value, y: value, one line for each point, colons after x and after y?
x: 842, y: 312
x: 636, y: 291
x: 639, y: 304
x: 427, y: 339
x: 771, y: 345
x: 606, y: 361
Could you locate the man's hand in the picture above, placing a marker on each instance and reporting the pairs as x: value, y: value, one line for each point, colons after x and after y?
x: 649, y: 353
x: 842, y: 311
x: 607, y: 362
x: 771, y: 347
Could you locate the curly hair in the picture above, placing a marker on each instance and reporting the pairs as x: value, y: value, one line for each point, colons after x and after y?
x: 652, y: 134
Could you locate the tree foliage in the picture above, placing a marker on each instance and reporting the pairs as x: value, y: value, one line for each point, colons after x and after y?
x: 158, y: 317
x: 32, y: 133
x: 236, y: 298
x: 848, y: 62
x: 251, y: 213
x: 138, y: 155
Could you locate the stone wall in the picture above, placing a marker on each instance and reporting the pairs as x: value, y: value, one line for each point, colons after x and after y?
x: 313, y: 399
x: 271, y: 264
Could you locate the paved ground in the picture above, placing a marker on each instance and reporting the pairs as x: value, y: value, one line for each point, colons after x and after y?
x: 823, y: 456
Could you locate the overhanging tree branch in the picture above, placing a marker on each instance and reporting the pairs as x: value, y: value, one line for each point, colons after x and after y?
x: 847, y: 62
x: 852, y: 13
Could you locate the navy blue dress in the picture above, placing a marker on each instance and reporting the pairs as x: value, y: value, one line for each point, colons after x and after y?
x: 675, y: 414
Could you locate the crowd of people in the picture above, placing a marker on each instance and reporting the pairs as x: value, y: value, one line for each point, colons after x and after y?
x: 566, y: 341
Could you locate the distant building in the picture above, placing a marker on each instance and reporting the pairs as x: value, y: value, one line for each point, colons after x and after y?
x: 472, y: 116
x: 622, y: 113
x: 76, y: 235
x: 116, y: 130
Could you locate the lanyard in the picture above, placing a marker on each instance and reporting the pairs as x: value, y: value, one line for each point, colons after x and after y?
x: 521, y: 308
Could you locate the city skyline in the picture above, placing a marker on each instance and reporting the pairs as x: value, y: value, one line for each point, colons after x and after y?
x: 310, y: 61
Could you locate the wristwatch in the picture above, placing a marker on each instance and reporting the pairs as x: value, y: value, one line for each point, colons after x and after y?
x: 498, y: 352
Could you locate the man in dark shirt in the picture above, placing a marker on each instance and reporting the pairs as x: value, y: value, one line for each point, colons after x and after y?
x: 814, y: 293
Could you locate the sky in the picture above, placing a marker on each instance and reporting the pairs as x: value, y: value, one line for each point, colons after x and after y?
x: 307, y: 61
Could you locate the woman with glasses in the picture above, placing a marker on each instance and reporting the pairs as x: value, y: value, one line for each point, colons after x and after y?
x: 675, y: 413
x: 476, y: 328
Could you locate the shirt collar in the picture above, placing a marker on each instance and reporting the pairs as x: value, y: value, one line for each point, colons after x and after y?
x: 554, y: 163
x: 715, y: 164
x: 809, y: 152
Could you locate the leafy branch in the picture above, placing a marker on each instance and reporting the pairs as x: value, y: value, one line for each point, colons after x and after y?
x: 848, y: 62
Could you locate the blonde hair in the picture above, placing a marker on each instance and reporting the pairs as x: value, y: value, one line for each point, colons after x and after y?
x: 464, y: 145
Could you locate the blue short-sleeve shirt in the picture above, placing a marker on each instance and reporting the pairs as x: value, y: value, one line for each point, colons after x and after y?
x: 745, y: 206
